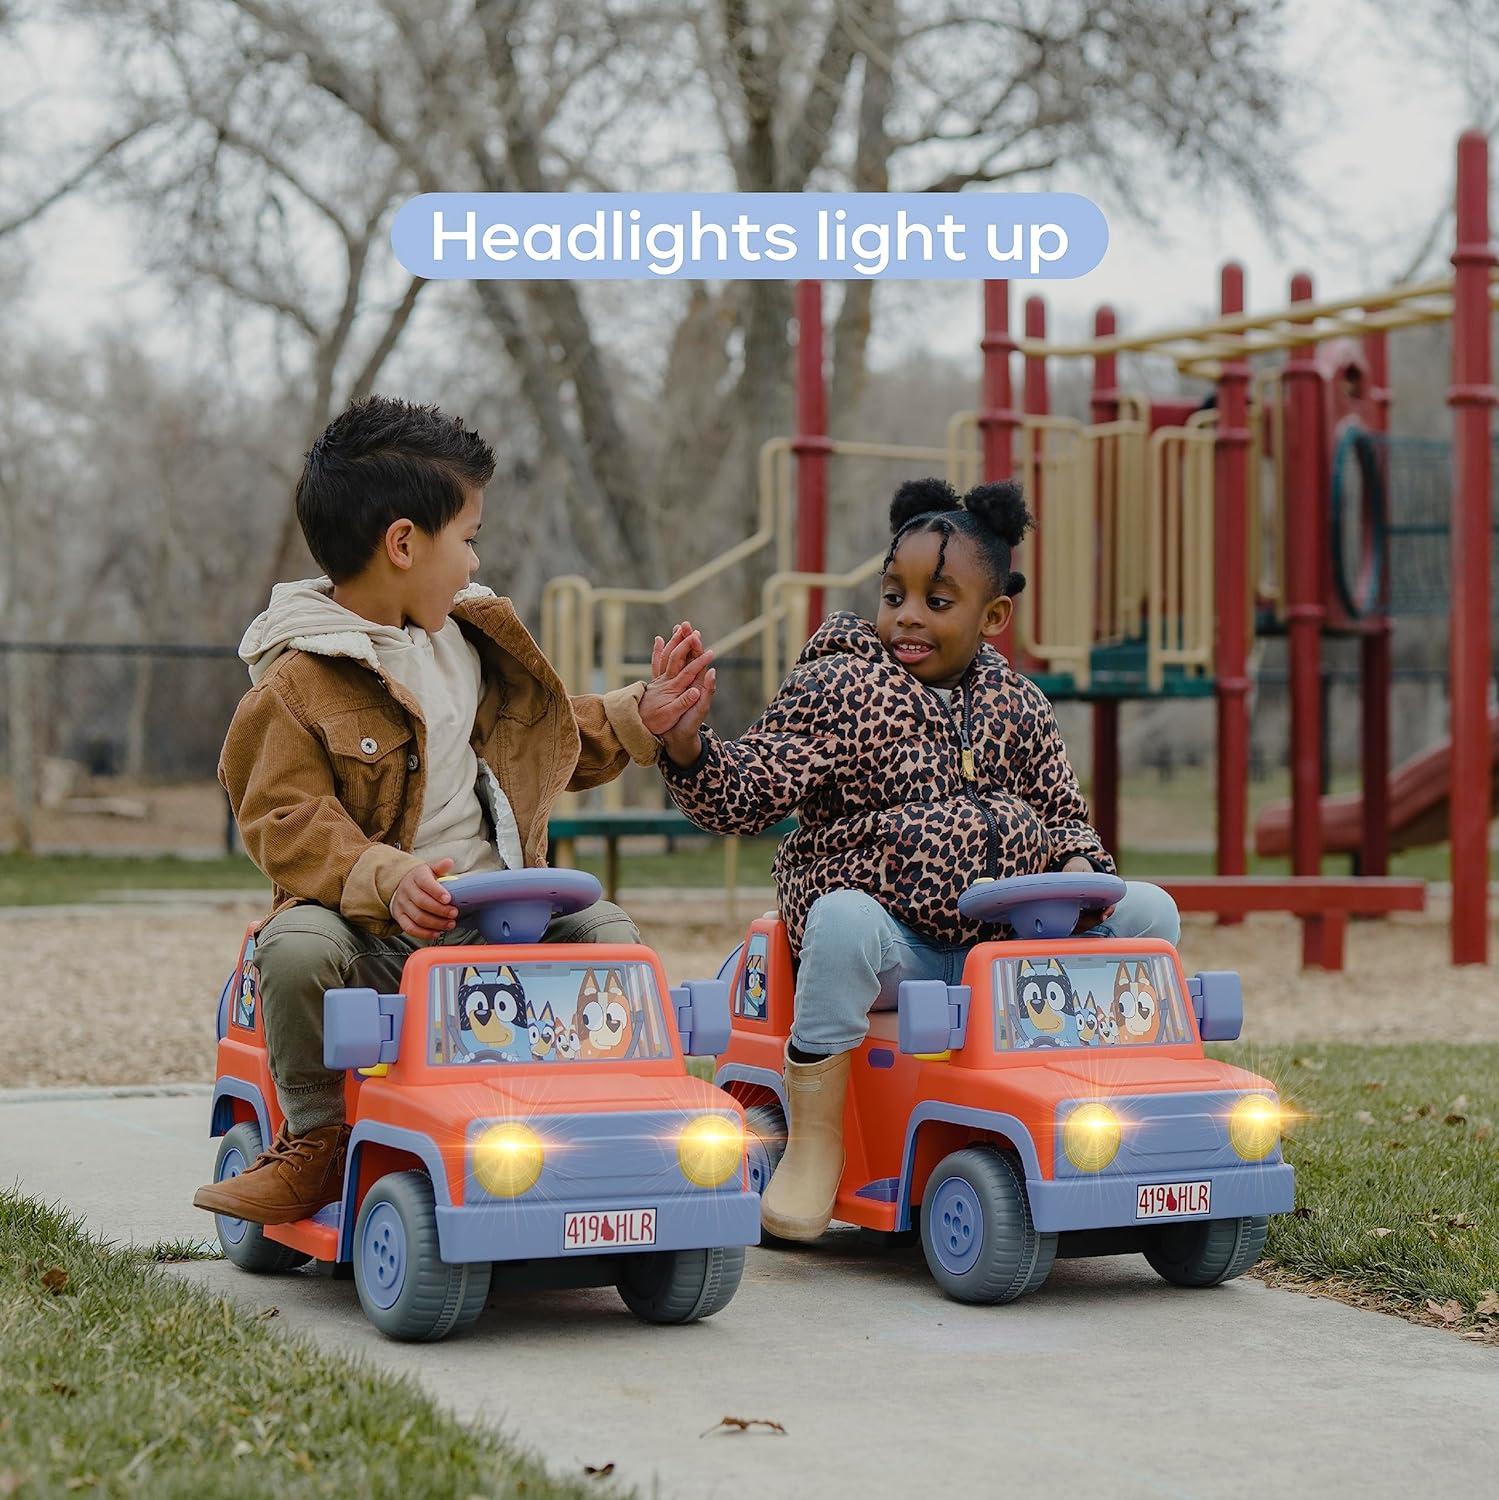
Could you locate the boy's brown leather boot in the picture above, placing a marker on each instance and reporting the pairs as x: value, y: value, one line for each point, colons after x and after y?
x: 297, y: 1176
x: 798, y: 1201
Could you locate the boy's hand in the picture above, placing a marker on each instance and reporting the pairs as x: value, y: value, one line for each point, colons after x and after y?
x: 680, y: 692
x: 421, y: 904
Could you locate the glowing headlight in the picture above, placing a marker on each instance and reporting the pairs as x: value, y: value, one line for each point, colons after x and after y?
x: 1090, y: 1137
x: 710, y: 1150
x: 507, y: 1160
x: 1254, y: 1126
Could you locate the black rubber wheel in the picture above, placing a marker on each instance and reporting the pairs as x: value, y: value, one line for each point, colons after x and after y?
x: 1208, y: 1251
x: 766, y: 1124
x: 980, y: 1242
x: 680, y: 1286
x: 408, y: 1291
x: 242, y: 1242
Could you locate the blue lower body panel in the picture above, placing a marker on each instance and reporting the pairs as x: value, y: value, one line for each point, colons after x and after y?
x: 518, y: 1230
x: 1105, y: 1202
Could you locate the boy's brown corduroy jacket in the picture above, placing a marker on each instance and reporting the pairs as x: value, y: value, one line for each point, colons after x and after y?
x: 325, y: 759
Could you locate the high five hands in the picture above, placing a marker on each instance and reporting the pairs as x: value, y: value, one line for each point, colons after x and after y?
x: 680, y: 693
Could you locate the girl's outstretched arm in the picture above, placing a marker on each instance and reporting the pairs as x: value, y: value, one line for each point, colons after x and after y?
x: 744, y: 786
x: 1049, y: 784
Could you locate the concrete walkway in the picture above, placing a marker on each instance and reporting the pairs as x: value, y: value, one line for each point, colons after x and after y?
x: 1106, y: 1382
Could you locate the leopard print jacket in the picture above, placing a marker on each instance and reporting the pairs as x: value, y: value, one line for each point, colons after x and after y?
x: 872, y: 762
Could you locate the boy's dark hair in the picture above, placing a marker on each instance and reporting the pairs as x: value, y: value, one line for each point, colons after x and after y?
x: 384, y: 460
x: 993, y: 516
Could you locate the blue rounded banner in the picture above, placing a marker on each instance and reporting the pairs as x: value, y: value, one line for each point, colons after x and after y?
x: 749, y: 236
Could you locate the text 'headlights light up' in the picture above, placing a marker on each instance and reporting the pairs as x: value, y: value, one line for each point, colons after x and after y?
x: 1254, y: 1127
x: 710, y: 1150
x: 1090, y: 1137
x: 507, y: 1160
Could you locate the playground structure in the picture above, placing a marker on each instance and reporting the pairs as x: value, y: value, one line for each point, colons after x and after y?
x: 1171, y: 535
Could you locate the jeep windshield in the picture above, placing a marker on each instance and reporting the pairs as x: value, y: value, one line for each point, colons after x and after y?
x: 1088, y: 1000
x: 545, y: 1013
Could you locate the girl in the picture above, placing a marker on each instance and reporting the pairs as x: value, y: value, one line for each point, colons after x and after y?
x: 918, y: 761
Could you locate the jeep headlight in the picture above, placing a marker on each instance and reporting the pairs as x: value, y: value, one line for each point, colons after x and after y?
x: 710, y: 1150
x: 507, y: 1159
x: 1090, y: 1137
x: 1254, y: 1126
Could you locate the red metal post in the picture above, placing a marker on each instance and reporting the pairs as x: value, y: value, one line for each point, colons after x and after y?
x: 997, y: 417
x: 1105, y: 408
x: 1376, y: 654
x: 810, y: 444
x: 1231, y: 460
x: 1472, y: 397
x: 1305, y: 607
x: 1036, y: 401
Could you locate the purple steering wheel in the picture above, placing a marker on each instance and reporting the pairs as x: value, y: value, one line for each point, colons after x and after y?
x: 1040, y: 906
x: 516, y: 906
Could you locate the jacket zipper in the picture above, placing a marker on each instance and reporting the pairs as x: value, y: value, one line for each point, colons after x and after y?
x: 970, y: 778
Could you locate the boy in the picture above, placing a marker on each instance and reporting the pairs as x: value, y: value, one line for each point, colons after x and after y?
x: 401, y: 725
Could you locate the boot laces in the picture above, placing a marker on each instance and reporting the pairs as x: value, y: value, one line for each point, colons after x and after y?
x: 289, y: 1148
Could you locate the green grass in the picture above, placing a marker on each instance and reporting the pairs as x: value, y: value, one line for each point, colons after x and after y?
x: 1398, y: 1139
x: 57, y: 879
x: 116, y: 1379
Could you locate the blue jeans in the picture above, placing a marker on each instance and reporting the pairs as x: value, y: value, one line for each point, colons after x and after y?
x: 855, y: 956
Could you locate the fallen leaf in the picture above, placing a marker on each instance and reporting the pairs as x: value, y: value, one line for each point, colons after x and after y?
x: 1311, y: 1064
x: 1488, y: 1304
x: 1408, y: 1117
x: 241, y: 1449
x: 1364, y: 1117
x: 269, y: 1312
x: 1424, y: 1110
x: 1454, y: 1119
x: 1395, y: 1146
x: 743, y: 1424
x: 1449, y: 1312
x: 1381, y: 1232
x: 55, y: 1280
x: 62, y: 1388
x: 602, y: 1471
x: 1303, y: 1212
x: 1459, y: 1106
x: 1483, y: 1132
x: 1373, y: 1083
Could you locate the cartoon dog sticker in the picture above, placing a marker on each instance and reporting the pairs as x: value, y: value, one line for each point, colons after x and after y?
x: 249, y: 989
x: 603, y: 1021
x: 1087, y: 1022
x: 567, y: 1041
x: 1047, y: 1000
x: 543, y: 1035
x: 754, y: 980
x: 1138, y: 1004
x: 492, y: 1012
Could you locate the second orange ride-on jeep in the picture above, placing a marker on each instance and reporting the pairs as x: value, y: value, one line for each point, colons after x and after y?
x: 1058, y: 1101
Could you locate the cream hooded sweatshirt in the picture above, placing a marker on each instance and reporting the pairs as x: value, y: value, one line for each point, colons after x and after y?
x: 442, y: 672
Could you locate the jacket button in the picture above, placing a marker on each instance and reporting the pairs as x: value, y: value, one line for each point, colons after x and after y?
x: 412, y: 762
x: 368, y: 745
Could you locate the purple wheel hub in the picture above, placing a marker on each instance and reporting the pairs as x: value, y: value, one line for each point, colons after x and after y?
x: 957, y: 1225
x: 382, y: 1248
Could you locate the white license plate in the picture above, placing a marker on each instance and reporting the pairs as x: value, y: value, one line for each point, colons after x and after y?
x: 1170, y: 1200
x: 609, y: 1229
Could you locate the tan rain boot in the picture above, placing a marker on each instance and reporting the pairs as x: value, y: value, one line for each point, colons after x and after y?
x: 798, y: 1202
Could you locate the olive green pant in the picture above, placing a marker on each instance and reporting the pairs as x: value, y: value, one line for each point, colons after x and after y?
x: 305, y: 950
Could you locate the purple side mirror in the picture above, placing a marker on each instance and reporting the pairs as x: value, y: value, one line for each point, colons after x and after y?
x: 1218, y: 1003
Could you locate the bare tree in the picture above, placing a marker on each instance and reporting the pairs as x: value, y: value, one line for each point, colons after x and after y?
x: 288, y: 131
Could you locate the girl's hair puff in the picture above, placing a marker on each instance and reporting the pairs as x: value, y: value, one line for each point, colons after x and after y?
x: 993, y: 516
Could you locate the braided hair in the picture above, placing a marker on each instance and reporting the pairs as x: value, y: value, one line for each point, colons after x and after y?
x: 993, y: 516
